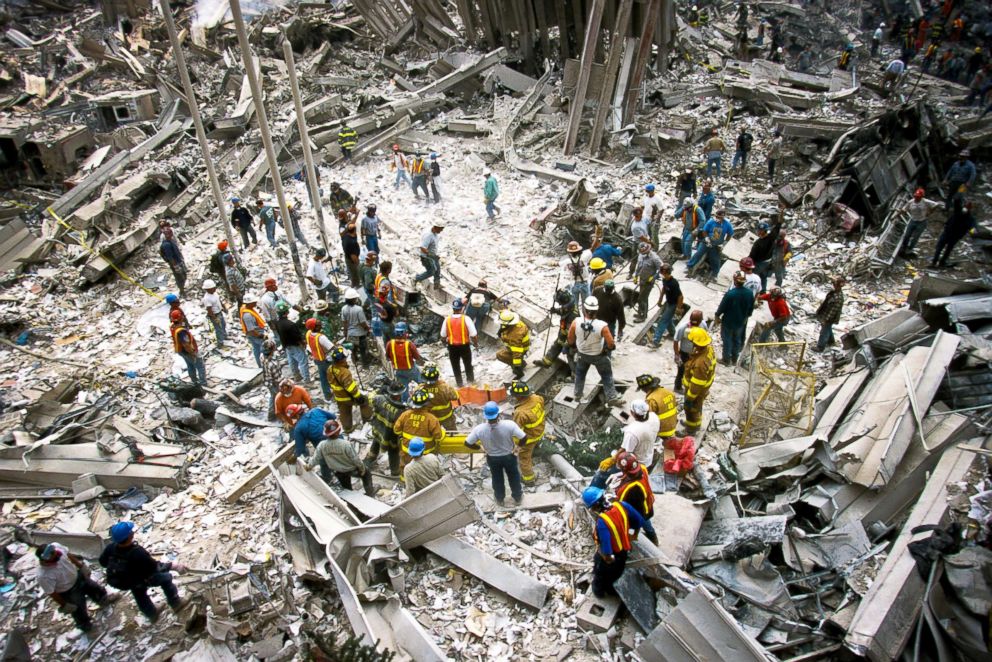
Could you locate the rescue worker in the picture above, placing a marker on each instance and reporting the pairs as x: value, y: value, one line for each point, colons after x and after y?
x: 347, y: 139
x: 685, y: 185
x: 752, y: 281
x: 242, y: 220
x: 961, y: 173
x: 593, y: 343
x: 423, y: 470
x: 828, y: 313
x: 371, y: 229
x: 340, y: 199
x: 129, y: 567
x: 617, y: 525
x: 671, y: 303
x: 185, y: 346
x: 418, y: 422
x: 216, y: 264
x: 774, y: 153
x: 611, y: 311
x: 600, y: 274
x: 320, y: 346
x: 356, y: 328
x: 215, y: 309
x: 652, y: 210
x: 745, y: 140
x: 959, y: 223
x: 294, y: 221
x: 499, y: 439
x: 713, y: 152
x: 267, y: 221
x: 318, y: 276
x: 567, y: 312
x: 253, y: 326
x: 65, y: 578
x: 478, y: 303
x: 418, y: 173
x: 640, y: 231
x: 762, y: 249
x: 398, y: 163
x: 663, y: 405
x: 683, y: 346
x: 844, y: 62
x: 404, y: 357
x: 528, y: 413
x: 345, y: 390
x: 269, y: 301
x: 290, y: 393
x: 271, y: 374
x: 308, y: 427
x: 575, y: 270
x: 515, y: 335
x: 781, y: 314
x: 641, y: 434
x: 698, y: 378
x: 176, y: 305
x: 718, y: 232
x: 173, y: 256
x: 386, y: 408
x: 293, y: 343
x: 732, y: 314
x: 693, y: 217
x: 635, y: 485
x: 368, y: 274
x: 442, y: 396
x: 434, y: 178
x: 336, y: 454
x: 707, y: 199
x: 459, y: 334
x: 385, y: 296
x: 429, y: 255
x: 648, y: 266
x: 490, y: 191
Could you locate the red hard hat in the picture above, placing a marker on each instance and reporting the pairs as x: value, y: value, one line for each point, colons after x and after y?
x: 176, y: 315
x: 396, y: 147
x: 270, y: 283
x: 919, y: 193
x: 295, y: 410
x: 311, y: 324
x: 222, y: 245
x: 747, y: 263
x: 628, y: 463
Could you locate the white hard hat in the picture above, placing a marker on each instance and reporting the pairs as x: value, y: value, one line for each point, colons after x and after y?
x: 437, y: 224
x: 351, y: 293
x: 209, y: 284
x: 687, y: 201
x: 639, y: 408
x: 881, y: 25
x: 591, y: 303
x: 487, y: 172
x: 250, y: 298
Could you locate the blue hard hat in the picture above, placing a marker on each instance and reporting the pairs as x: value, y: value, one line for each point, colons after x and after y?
x: 491, y: 411
x: 416, y: 447
x: 171, y: 299
x: 592, y: 495
x: 457, y: 304
x: 235, y: 199
x: 433, y: 155
x: 121, y: 531
x: 764, y: 227
x: 649, y: 187
x: 401, y: 327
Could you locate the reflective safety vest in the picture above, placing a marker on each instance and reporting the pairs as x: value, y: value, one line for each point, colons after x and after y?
x: 457, y: 330
x: 844, y: 57
x: 628, y: 492
x: 662, y: 402
x: 342, y: 383
x: 347, y: 138
x: 400, y: 353
x: 618, y: 524
x: 313, y: 342
x: 178, y: 345
x: 417, y: 166
x: 254, y: 313
x: 688, y: 214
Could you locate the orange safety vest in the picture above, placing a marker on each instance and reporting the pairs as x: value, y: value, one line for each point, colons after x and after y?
x: 313, y: 342
x: 178, y: 345
x: 258, y: 318
x: 457, y: 330
x: 617, y: 522
x: 400, y: 354
x: 645, y: 486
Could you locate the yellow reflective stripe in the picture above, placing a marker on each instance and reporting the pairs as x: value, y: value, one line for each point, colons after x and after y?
x: 528, y: 442
x: 701, y: 382
x: 613, y: 529
x: 540, y: 419
x: 408, y: 435
x: 514, y: 348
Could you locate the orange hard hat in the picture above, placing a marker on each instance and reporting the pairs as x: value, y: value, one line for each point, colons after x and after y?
x: 222, y: 245
x: 176, y: 315
x: 311, y: 324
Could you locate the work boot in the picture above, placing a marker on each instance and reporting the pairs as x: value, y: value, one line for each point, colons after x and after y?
x: 615, y: 402
x: 517, y: 501
x: 108, y: 599
x: 179, y: 604
x: 544, y: 362
x: 501, y: 503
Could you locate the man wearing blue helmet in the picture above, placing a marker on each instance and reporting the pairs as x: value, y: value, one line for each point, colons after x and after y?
x: 423, y: 470
x: 499, y: 440
x: 131, y: 568
x: 616, y: 529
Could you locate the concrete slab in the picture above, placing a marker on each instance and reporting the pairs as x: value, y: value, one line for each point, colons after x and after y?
x: 638, y: 597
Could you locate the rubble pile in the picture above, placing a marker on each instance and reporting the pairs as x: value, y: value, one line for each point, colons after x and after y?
x: 838, y: 501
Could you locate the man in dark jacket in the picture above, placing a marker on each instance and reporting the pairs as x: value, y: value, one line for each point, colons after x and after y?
x: 611, y: 309
x: 734, y: 310
x: 386, y: 408
x: 828, y: 313
x: 169, y: 250
x: 762, y: 249
x: 131, y: 568
x: 242, y: 220
x: 292, y: 343
x: 959, y: 223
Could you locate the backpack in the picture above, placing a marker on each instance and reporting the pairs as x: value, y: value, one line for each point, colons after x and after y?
x: 746, y: 140
x: 117, y: 572
x: 217, y: 264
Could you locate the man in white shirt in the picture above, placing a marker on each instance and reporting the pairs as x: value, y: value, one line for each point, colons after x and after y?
x: 892, y: 74
x: 66, y: 580
x: 652, y: 211
x: 919, y: 210
x: 215, y: 310
x: 429, y: 255
x: 640, y: 434
x: 876, y: 39
x: 317, y: 273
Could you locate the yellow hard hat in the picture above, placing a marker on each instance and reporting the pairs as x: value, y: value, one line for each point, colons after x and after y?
x: 597, y: 263
x: 698, y: 336
x: 508, y: 318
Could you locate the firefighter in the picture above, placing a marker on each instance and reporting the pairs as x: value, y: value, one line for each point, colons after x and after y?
x: 567, y: 311
x: 386, y: 408
x: 516, y: 338
x: 442, y: 396
x: 662, y: 402
x: 418, y: 422
x: 699, y: 372
x: 528, y: 413
x: 345, y: 390
x: 635, y: 486
x: 617, y: 525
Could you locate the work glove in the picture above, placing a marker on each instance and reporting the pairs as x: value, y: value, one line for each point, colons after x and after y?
x: 606, y: 464
x: 362, y: 400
